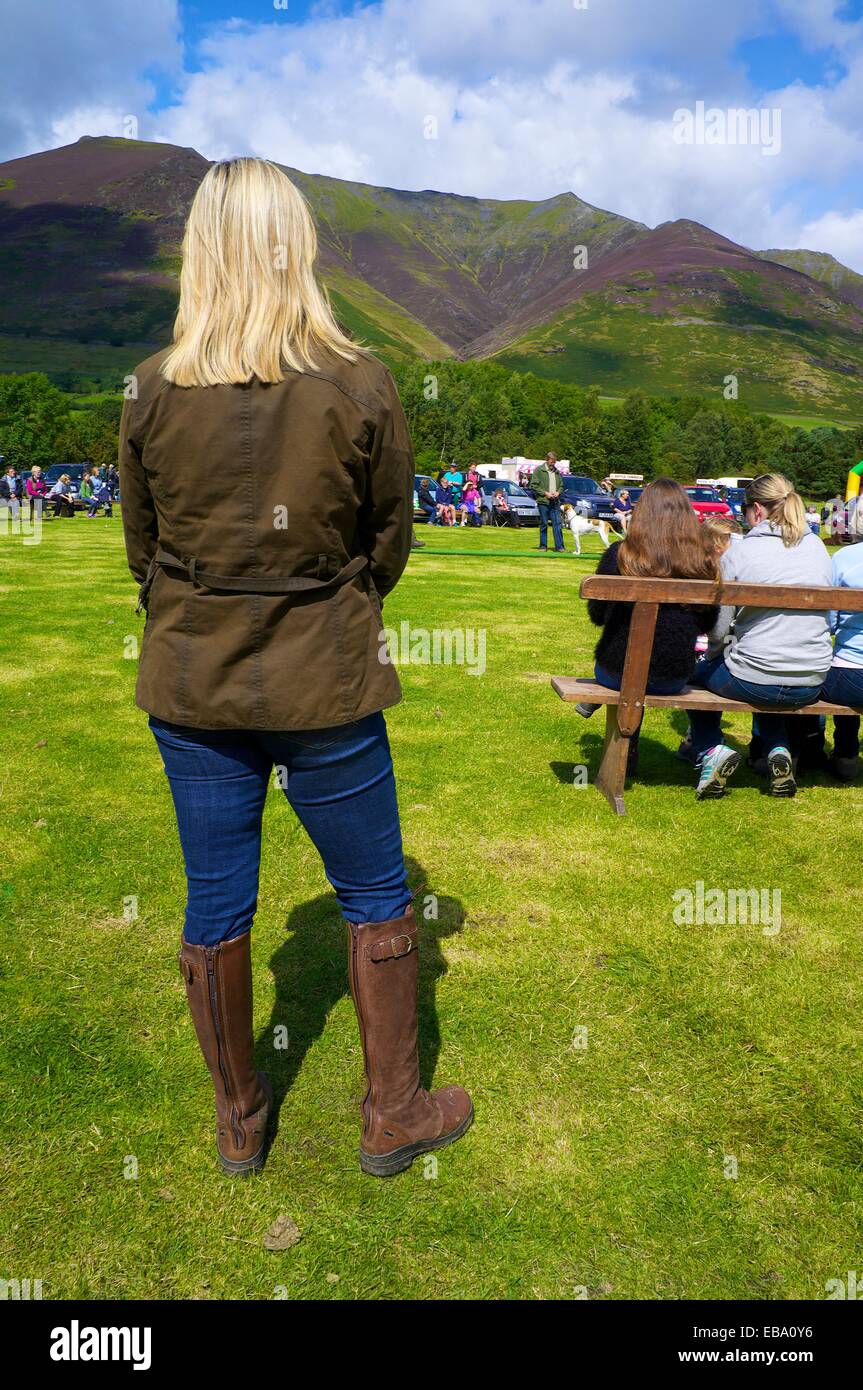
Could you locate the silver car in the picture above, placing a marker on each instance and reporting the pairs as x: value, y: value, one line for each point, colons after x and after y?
x: 518, y: 499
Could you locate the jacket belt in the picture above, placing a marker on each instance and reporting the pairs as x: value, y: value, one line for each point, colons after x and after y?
x: 248, y: 583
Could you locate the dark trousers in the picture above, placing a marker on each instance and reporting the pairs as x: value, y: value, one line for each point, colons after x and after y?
x: 550, y: 511
x: 844, y: 686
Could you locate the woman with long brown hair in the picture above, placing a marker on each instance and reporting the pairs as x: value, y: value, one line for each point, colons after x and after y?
x: 663, y: 541
x: 267, y: 485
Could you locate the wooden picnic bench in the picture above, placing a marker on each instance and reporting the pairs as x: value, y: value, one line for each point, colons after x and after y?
x: 625, y: 707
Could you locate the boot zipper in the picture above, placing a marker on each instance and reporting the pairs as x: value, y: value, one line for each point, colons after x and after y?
x: 239, y: 1137
x: 356, y: 991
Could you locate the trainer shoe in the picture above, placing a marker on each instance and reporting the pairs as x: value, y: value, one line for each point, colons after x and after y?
x: 781, y: 769
x: 586, y: 710
x: 716, y: 767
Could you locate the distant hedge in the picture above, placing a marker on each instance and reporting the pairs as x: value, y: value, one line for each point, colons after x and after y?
x: 480, y: 411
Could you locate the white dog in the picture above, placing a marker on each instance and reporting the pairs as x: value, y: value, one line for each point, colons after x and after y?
x: 583, y: 526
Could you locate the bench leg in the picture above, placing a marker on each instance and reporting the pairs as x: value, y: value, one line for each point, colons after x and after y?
x: 612, y: 769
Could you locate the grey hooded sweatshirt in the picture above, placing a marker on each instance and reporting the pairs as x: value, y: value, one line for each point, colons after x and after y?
x: 773, y: 646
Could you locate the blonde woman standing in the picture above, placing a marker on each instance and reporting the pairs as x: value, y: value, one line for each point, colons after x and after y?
x: 775, y: 657
x: 267, y: 481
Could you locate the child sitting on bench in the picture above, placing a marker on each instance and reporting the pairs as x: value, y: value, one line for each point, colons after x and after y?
x: 663, y: 541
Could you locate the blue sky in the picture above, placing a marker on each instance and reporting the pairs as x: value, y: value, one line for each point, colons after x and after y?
x: 493, y: 98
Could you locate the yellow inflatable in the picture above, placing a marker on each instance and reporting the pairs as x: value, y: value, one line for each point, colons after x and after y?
x: 852, y: 484
x: 843, y: 518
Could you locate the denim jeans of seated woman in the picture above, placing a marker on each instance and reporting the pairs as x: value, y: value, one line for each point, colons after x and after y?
x: 712, y: 674
x: 612, y: 682
x: 843, y: 685
x: 339, y: 782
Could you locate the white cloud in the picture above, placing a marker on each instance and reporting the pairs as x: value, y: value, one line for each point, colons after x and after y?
x: 531, y: 98
x: 65, y: 61
x: 351, y: 97
x: 817, y: 25
x: 840, y: 233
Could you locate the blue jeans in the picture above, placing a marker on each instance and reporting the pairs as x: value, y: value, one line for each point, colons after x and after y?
x: 550, y: 511
x: 340, y: 783
x: 706, y: 725
x: 844, y: 686
x: 612, y: 682
x: 430, y: 510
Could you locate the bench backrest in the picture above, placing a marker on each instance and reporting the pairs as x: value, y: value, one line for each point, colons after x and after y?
x: 648, y: 594
x: 702, y: 592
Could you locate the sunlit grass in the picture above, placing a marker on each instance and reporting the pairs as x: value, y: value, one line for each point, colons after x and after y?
x: 600, y: 1167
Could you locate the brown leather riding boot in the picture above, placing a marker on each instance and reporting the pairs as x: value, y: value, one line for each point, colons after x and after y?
x: 219, y: 989
x: 400, y: 1119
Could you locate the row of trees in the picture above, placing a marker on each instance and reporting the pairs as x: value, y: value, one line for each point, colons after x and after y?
x: 39, y: 424
x: 479, y: 411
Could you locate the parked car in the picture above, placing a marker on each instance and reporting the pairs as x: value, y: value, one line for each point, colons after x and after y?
x: 734, y: 496
x: 54, y: 473
x: 519, y: 499
x: 587, y: 497
x: 707, y: 502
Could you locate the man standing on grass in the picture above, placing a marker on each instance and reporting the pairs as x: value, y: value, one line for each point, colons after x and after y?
x: 546, y: 485
x: 455, y: 478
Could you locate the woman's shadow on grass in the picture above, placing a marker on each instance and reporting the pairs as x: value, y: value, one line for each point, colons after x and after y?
x: 311, y: 976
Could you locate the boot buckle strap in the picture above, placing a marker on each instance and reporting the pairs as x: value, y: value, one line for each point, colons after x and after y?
x: 390, y: 950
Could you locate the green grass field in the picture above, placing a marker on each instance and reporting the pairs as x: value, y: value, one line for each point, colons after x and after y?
x: 600, y: 1170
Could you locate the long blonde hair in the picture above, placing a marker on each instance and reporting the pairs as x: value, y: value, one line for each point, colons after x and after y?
x: 784, y: 506
x: 249, y: 300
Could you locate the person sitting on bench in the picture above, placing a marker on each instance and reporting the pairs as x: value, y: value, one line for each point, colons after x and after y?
x: 717, y: 533
x: 469, y: 507
x: 663, y: 542
x: 427, y: 500
x: 61, y: 496
x: 844, y: 682
x: 775, y: 657
x: 443, y: 499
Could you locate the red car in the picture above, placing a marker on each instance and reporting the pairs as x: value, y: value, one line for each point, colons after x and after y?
x: 707, y: 502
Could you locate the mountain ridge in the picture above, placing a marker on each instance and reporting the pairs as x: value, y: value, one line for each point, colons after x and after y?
x: 89, y: 251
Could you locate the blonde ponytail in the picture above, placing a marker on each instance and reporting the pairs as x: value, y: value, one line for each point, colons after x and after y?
x: 784, y: 506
